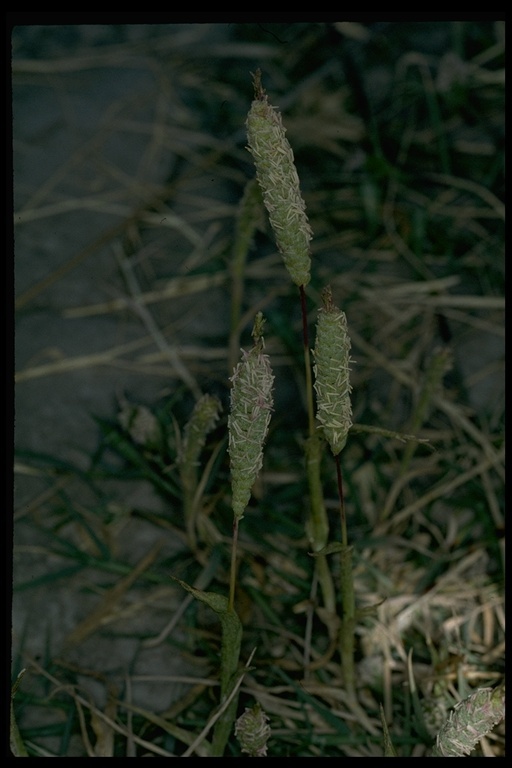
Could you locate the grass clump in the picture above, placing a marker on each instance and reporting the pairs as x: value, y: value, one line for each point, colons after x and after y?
x: 357, y: 611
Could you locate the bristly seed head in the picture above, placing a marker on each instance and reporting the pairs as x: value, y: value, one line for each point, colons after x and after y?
x: 253, y: 731
x: 202, y: 421
x: 332, y: 385
x: 249, y: 419
x: 279, y: 182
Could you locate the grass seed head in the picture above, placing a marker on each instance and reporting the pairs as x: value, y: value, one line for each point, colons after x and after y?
x: 279, y: 182
x: 253, y: 731
x: 332, y: 385
x: 203, y: 419
x: 249, y: 419
x: 469, y: 721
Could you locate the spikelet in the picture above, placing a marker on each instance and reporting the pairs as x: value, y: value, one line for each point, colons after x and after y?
x: 279, y: 182
x: 332, y: 358
x: 201, y: 422
x: 249, y: 418
x: 469, y: 721
x: 141, y: 425
x: 253, y: 731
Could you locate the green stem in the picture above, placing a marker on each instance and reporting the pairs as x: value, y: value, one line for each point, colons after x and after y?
x: 343, y: 516
x: 189, y: 483
x: 348, y: 624
x: 232, y: 574
x: 307, y: 363
x: 229, y: 655
x: 318, y: 524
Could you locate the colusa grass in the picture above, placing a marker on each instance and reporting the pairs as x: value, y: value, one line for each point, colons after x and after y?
x: 279, y: 182
x: 329, y: 428
x: 248, y: 423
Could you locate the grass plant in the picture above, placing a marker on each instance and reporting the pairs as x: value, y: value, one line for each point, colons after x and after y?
x: 318, y: 541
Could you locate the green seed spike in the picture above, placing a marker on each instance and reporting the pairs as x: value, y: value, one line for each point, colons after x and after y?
x: 469, y: 721
x: 252, y: 731
x: 279, y: 182
x: 332, y: 385
x: 249, y: 419
x: 202, y: 421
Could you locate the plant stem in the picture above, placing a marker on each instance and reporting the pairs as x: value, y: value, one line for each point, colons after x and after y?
x: 232, y: 574
x: 347, y: 596
x: 343, y: 516
x: 318, y: 524
x: 307, y: 363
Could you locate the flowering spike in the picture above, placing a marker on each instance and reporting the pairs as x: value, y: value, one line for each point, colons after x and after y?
x: 279, y: 182
x: 252, y: 731
x: 469, y: 721
x: 248, y: 421
x: 202, y: 421
x: 332, y: 358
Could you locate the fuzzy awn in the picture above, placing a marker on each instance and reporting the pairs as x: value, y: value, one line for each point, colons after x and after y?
x: 279, y: 182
